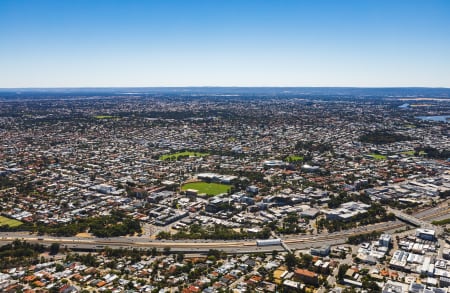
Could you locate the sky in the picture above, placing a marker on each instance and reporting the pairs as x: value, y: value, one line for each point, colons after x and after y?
x: 108, y: 43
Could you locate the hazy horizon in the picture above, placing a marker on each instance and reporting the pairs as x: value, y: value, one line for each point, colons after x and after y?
x: 222, y: 86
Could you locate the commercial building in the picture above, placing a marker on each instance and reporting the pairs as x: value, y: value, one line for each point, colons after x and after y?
x: 426, y: 234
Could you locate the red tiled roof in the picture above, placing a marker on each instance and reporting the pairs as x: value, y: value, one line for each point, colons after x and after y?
x: 306, y: 273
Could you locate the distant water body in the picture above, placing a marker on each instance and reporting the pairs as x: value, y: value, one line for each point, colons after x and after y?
x: 443, y: 118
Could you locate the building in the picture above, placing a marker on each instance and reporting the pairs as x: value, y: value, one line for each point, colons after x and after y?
x: 444, y: 282
x: 446, y: 253
x: 191, y: 192
x: 322, y: 251
x: 310, y: 169
x: 394, y: 287
x: 274, y: 164
x: 292, y: 286
x: 385, y: 240
x: 347, y: 211
x: 306, y: 276
x: 103, y: 188
x: 426, y: 234
x: 310, y: 213
x: 416, y: 287
x: 252, y: 189
x: 216, y: 205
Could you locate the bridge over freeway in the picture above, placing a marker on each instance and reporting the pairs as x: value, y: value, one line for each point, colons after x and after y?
x: 409, y: 218
x: 422, y: 218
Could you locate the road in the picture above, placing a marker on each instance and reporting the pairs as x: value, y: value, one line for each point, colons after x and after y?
x: 199, y: 246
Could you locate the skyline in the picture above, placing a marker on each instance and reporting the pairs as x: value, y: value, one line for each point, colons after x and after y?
x: 224, y: 43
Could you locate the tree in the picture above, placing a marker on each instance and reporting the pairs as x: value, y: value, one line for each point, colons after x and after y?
x: 370, y: 285
x: 154, y: 251
x: 306, y: 260
x: 274, y: 253
x: 166, y: 250
x: 59, y: 267
x: 291, y: 260
x: 342, y: 270
x: 180, y: 257
x: 54, y: 248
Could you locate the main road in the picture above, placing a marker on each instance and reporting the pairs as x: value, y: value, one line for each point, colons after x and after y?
x: 200, y: 246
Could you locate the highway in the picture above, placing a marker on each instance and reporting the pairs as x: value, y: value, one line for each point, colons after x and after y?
x: 200, y: 246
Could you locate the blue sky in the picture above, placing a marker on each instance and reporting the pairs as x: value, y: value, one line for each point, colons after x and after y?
x: 77, y: 43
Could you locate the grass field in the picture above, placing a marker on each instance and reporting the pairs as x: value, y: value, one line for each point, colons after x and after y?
x: 9, y: 222
x: 207, y: 188
x: 411, y: 153
x: 378, y: 156
x: 182, y: 154
x: 410, y: 126
x: 104, y: 117
x: 294, y: 158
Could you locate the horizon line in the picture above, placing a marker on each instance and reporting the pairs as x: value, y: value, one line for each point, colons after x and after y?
x: 222, y: 86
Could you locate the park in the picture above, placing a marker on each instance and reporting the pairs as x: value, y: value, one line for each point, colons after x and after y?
x: 210, y: 189
x: 9, y: 222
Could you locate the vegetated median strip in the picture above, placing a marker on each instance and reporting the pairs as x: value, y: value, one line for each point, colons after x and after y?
x: 441, y: 222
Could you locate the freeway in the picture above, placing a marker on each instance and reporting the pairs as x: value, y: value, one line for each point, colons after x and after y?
x: 198, y: 246
x: 299, y: 241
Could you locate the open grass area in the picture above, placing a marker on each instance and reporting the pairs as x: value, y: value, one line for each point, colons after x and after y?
x: 9, y: 222
x: 207, y: 188
x: 412, y: 153
x: 104, y: 117
x: 378, y: 156
x: 294, y: 158
x: 176, y: 156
